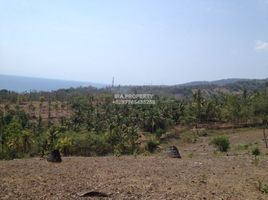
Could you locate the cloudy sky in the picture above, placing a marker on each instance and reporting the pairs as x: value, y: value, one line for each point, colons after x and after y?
x: 136, y: 41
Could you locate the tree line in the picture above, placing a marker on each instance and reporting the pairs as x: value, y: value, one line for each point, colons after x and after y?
x: 96, y: 126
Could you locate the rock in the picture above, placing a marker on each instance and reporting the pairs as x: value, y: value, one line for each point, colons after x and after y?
x: 92, y: 194
x: 173, y: 152
x: 54, y: 156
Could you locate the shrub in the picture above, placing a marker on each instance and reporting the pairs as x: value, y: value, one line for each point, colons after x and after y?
x: 152, y: 145
x: 64, y: 145
x: 261, y: 186
x: 159, y: 132
x: 265, y: 189
x: 256, y: 151
x: 222, y: 143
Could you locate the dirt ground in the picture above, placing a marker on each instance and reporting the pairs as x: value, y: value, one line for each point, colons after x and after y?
x: 201, y: 174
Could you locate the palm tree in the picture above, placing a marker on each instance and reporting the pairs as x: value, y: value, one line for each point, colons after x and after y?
x: 26, y: 140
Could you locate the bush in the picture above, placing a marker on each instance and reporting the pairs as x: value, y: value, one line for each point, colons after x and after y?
x: 222, y: 143
x: 64, y: 145
x: 265, y: 189
x: 152, y: 145
x: 256, y: 151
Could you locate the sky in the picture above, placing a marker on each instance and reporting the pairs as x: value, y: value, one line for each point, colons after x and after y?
x: 135, y: 41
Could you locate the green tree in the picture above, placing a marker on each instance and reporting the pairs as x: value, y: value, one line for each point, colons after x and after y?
x: 64, y: 144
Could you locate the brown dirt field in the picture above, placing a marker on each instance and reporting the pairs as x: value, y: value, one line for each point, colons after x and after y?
x: 34, y: 109
x: 204, y: 175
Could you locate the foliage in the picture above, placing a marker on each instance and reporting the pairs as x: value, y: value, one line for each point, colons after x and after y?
x: 222, y: 143
x: 152, y: 145
x: 243, y: 146
x: 256, y: 151
x: 96, y: 126
x: 262, y: 187
x: 265, y: 189
x: 64, y: 145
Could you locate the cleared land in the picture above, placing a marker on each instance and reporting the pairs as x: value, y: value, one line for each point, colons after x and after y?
x: 200, y: 174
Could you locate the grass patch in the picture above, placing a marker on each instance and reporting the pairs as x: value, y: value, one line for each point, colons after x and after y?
x: 152, y: 145
x: 189, y: 137
x: 222, y: 143
x: 242, y: 146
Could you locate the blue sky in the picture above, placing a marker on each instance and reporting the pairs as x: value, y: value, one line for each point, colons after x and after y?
x: 136, y: 41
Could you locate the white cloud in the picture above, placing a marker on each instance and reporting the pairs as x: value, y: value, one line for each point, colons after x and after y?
x: 261, y: 45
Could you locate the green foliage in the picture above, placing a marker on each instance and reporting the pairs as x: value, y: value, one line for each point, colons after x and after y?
x: 256, y: 151
x: 262, y: 187
x: 98, y: 144
x: 152, y: 145
x: 96, y: 126
x: 64, y: 144
x: 242, y: 146
x: 222, y: 143
x: 265, y: 189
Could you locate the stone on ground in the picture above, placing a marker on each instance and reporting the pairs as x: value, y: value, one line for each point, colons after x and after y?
x: 173, y: 152
x: 54, y: 156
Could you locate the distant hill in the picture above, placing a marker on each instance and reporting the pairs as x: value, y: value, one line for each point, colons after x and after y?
x: 208, y: 87
x: 67, y: 89
x: 22, y: 84
x: 221, y: 82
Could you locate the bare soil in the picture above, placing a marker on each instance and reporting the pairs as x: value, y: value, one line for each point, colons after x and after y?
x: 201, y: 174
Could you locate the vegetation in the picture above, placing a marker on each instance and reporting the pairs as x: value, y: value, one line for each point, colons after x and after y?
x: 152, y: 145
x: 265, y: 189
x: 256, y: 151
x: 222, y: 143
x: 262, y: 187
x: 84, y: 121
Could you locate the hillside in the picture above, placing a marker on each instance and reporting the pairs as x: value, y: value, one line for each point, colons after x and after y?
x: 208, y: 88
x: 71, y: 88
x: 227, y: 86
x: 221, y: 82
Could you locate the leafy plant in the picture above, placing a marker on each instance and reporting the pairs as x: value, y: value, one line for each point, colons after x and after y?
x: 64, y: 144
x: 256, y: 151
x: 222, y: 143
x: 265, y: 189
x: 152, y: 145
x: 261, y: 186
